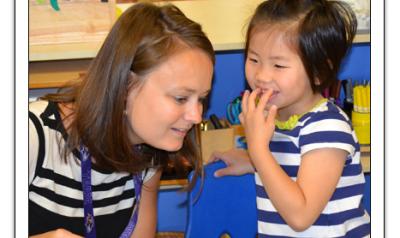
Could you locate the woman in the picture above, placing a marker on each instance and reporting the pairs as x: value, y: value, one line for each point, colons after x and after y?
x: 95, y: 143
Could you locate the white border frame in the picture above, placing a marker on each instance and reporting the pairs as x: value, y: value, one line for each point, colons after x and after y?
x: 21, y: 118
x: 7, y: 119
x: 377, y: 125
x: 392, y: 123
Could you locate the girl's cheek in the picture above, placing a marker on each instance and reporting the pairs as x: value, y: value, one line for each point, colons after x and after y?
x: 252, y: 86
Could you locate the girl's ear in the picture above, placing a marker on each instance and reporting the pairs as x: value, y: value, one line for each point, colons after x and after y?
x: 330, y: 64
x: 317, y: 81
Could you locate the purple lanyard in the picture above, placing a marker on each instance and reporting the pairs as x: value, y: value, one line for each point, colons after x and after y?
x: 90, y: 227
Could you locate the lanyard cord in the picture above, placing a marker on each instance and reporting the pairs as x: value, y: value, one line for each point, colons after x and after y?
x: 89, y: 224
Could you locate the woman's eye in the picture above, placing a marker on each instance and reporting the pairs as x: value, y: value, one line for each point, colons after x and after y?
x: 203, y: 100
x: 180, y: 100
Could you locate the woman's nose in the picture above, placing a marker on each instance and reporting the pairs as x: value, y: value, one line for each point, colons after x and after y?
x: 194, y: 113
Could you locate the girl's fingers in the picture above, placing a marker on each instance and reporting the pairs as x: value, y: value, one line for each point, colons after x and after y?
x: 252, y: 99
x: 222, y: 172
x: 271, y: 115
x: 264, y: 100
x: 215, y: 156
x: 241, y: 119
x: 245, y: 100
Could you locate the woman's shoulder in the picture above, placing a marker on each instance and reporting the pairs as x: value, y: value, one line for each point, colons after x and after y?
x: 45, y: 117
x: 38, y: 106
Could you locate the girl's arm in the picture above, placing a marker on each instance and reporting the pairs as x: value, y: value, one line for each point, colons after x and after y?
x: 146, y: 224
x: 299, y: 202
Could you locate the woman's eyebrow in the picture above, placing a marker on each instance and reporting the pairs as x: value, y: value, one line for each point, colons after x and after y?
x: 190, y: 90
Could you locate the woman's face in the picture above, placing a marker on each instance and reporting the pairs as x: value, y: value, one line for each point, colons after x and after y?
x: 169, y: 102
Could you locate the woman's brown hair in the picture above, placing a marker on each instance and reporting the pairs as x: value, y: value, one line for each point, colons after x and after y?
x: 142, y: 38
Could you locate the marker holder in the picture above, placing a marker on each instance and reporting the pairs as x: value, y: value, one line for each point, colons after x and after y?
x: 362, y: 126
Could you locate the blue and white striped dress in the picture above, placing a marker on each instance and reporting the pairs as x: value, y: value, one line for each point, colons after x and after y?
x: 326, y: 126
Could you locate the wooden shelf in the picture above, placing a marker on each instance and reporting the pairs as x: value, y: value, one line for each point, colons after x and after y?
x: 224, y: 22
x: 75, y: 32
x: 366, y: 158
x: 54, y: 74
x: 173, y: 184
x: 363, y: 37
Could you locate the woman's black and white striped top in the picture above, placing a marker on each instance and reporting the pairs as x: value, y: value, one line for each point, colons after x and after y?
x: 55, y: 190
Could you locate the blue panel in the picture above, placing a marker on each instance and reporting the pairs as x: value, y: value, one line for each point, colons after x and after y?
x: 367, y: 193
x: 228, y: 82
x: 172, y: 210
x: 226, y: 205
x: 357, y: 64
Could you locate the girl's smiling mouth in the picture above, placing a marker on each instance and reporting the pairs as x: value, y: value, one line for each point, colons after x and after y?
x: 264, y: 90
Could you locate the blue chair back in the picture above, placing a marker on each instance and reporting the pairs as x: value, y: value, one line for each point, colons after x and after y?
x: 225, y: 205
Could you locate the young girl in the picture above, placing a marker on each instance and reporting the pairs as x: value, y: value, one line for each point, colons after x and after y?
x: 302, y: 147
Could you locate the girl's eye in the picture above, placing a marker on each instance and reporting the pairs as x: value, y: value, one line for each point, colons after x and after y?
x: 280, y: 66
x: 253, y: 60
x: 180, y: 100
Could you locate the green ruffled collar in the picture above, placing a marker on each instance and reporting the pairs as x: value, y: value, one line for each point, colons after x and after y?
x: 294, y: 119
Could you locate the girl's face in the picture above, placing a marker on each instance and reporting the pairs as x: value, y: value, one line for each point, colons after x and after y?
x: 272, y: 64
x: 169, y: 102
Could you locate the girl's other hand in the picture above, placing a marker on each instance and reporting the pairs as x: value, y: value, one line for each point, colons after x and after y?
x: 237, y: 162
x: 258, y: 127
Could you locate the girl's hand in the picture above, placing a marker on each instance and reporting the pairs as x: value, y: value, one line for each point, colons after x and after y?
x: 258, y: 127
x: 59, y: 233
x: 237, y: 162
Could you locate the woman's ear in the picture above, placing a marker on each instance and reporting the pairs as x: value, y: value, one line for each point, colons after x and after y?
x: 133, y: 80
x: 132, y: 74
x: 134, y: 84
x: 131, y: 89
x: 132, y: 77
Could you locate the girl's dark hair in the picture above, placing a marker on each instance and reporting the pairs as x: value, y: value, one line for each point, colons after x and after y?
x: 324, y: 33
x: 142, y: 38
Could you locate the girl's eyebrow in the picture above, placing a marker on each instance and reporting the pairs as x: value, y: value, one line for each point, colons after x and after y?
x: 275, y: 57
x: 251, y: 51
x: 278, y: 57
